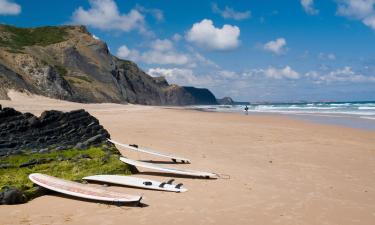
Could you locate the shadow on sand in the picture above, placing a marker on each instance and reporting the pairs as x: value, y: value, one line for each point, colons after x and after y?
x: 174, y: 175
x: 119, y: 204
x: 163, y: 162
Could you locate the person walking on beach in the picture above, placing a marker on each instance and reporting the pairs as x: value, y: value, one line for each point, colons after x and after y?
x: 246, y: 109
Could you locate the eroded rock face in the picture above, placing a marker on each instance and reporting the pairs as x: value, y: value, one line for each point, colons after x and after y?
x: 53, y: 130
x: 67, y: 63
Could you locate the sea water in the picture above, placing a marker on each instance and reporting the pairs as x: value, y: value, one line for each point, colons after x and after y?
x: 352, y: 114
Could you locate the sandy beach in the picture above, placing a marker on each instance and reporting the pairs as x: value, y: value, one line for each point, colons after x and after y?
x: 282, y: 171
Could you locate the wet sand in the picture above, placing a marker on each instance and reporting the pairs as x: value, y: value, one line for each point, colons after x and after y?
x: 282, y: 171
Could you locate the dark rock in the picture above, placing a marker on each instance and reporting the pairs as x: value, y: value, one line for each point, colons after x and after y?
x: 5, y: 166
x: 95, y: 140
x: 230, y: 101
x: 12, y: 196
x: 53, y: 128
x: 60, y: 148
x: 201, y: 96
x: 33, y: 162
x: 44, y: 150
x: 80, y: 145
x: 83, y: 156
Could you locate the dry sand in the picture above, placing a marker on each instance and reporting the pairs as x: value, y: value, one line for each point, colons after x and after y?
x: 282, y: 171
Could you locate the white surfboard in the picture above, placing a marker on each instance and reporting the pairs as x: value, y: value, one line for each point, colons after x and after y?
x: 81, y: 190
x: 137, y: 182
x: 169, y: 170
x: 152, y: 152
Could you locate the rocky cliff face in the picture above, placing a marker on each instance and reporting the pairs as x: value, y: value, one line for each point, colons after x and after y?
x: 67, y: 63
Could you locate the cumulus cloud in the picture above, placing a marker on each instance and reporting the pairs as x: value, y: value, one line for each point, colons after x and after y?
x: 176, y: 37
x: 358, y: 9
x: 230, y: 13
x: 156, y: 13
x: 345, y: 74
x: 123, y: 52
x: 308, y: 6
x: 182, y: 76
x: 277, y: 46
x: 163, y: 52
x: 286, y: 72
x: 206, y: 35
x: 104, y: 15
x: 8, y: 7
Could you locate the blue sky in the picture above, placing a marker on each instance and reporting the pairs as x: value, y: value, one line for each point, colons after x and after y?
x: 255, y: 50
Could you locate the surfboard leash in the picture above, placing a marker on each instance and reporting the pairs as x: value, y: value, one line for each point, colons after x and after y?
x: 223, y: 176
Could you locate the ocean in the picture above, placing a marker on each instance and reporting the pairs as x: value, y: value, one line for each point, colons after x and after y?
x: 352, y: 114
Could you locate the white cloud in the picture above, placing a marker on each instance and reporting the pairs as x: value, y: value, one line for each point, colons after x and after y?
x: 345, y: 74
x: 163, y: 58
x: 95, y: 37
x: 286, y: 72
x: 183, y: 77
x: 176, y: 37
x: 203, y: 60
x: 104, y: 14
x: 277, y: 46
x: 162, y: 45
x: 326, y: 56
x: 154, y: 56
x: 206, y: 35
x: 156, y: 13
x: 370, y: 21
x: 226, y: 74
x: 163, y: 52
x: 230, y: 13
x: 8, y: 7
x: 308, y: 6
x: 123, y: 52
x: 358, y: 9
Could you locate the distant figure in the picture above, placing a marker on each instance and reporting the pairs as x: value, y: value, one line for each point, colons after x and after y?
x: 246, y: 109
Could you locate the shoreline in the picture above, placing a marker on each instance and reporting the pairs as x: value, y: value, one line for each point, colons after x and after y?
x: 345, y: 121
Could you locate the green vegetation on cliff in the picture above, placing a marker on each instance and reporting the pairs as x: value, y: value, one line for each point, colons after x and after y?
x: 72, y: 164
x: 21, y: 37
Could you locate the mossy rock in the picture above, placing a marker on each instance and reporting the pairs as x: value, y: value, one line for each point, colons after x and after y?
x: 71, y: 164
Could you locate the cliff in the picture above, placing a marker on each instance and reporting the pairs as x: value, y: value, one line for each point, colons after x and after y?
x: 66, y: 62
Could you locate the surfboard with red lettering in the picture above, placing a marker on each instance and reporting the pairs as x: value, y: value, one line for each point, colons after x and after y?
x: 81, y: 190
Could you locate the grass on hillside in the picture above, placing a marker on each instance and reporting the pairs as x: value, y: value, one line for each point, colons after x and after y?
x: 21, y: 37
x: 65, y: 164
x: 61, y: 70
x: 84, y: 78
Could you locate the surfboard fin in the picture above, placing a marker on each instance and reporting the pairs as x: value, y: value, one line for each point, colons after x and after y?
x: 170, y: 181
x: 134, y: 145
x: 178, y: 186
x: 147, y: 183
x: 162, y: 184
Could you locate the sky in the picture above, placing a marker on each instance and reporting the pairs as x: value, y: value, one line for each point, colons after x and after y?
x: 251, y: 50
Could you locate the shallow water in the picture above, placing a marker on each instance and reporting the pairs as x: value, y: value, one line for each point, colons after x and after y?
x: 351, y: 114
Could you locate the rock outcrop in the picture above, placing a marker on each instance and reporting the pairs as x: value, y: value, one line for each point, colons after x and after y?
x: 202, y: 96
x: 68, y: 63
x: 230, y: 101
x: 70, y: 145
x: 53, y: 130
